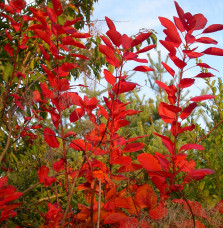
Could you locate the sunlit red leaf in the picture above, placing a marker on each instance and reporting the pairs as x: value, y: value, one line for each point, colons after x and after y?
x: 168, y: 69
x: 149, y: 162
x: 109, y: 77
x: 107, y: 42
x: 171, y: 30
x: 213, y: 51
x: 178, y: 62
x: 123, y: 87
x: 186, y: 82
x: 78, y: 144
x: 169, y: 46
x: 166, y: 114
x: 57, y: 7
x: 145, y: 197
x: 110, y: 23
x: 213, y: 28
x: 50, y: 138
x: 167, y: 142
x: 145, y: 49
x: 115, y: 218
x: 202, y: 98
x: 140, y: 38
x: 206, y: 40
x: 76, y: 114
x: 69, y: 23
x: 143, y: 69
x: 188, y: 110
x: 197, y: 174
x: 45, y: 54
x: 43, y: 36
x: 191, y: 146
x: 70, y: 41
x: 133, y: 147
x: 204, y: 75
x: 205, y: 66
x: 115, y: 37
x: 201, y: 21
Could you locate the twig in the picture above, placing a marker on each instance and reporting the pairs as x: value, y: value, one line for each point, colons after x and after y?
x: 99, y: 204
x: 70, y: 194
x: 210, y: 131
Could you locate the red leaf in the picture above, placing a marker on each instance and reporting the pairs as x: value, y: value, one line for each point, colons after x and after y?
x: 213, y: 28
x: 192, y: 54
x: 170, y: 90
x: 57, y: 166
x: 168, y: 69
x: 140, y: 38
x: 133, y: 147
x: 51, y: 76
x: 145, y: 49
x: 80, y: 56
x: 50, y: 138
x: 178, y: 62
x: 123, y: 87
x: 166, y: 115
x: 9, y: 49
x: 167, y: 142
x: 143, y: 68
x: 204, y: 75
x: 201, y: 21
x: 205, y: 66
x: 179, y: 24
x: 115, y: 37
x: 198, y: 174
x: 70, y: 41
x: 169, y: 46
x: 43, y: 36
x: 191, y: 146
x: 13, y: 196
x: 126, y: 42
x: 115, y: 218
x: 202, y: 98
x: 145, y: 197
x: 171, y: 30
x: 186, y: 82
x: 3, y: 181
x: 107, y: 51
x: 110, y: 23
x: 109, y: 77
x: 78, y: 144
x: 57, y: 7
x: 43, y: 173
x: 158, y: 212
x: 187, y: 111
x: 69, y: 23
x: 206, y: 40
x: 76, y: 114
x: 107, y: 42
x: 213, y: 51
x: 51, y: 14
x: 69, y: 133
x: 68, y: 66
x: 149, y: 162
x: 45, y: 54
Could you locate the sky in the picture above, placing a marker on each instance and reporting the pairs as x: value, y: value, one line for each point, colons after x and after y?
x: 130, y: 16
